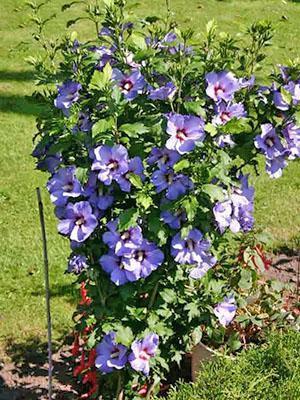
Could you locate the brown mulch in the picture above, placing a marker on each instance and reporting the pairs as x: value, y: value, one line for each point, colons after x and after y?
x: 25, y: 376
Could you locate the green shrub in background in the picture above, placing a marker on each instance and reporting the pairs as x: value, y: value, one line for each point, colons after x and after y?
x: 271, y: 372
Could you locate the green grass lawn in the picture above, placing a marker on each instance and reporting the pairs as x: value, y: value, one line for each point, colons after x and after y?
x: 21, y: 273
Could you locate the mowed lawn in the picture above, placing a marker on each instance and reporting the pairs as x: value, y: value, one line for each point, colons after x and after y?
x: 21, y: 274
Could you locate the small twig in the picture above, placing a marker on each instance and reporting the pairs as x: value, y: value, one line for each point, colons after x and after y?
x: 153, y: 296
x: 47, y: 289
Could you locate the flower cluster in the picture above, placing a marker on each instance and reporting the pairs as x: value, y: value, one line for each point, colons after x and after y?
x: 131, y: 257
x: 281, y: 142
x: 236, y: 212
x: 113, y: 356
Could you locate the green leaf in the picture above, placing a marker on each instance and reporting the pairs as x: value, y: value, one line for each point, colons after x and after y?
x: 236, y: 126
x: 92, y: 340
x: 124, y: 336
x: 127, y: 219
x: 103, y: 125
x: 234, y: 342
x: 193, y: 311
x: 211, y: 129
x: 182, y: 164
x: 214, y: 192
x: 101, y: 79
x: 144, y: 200
x: 245, y: 281
x: 195, y: 107
x: 138, y: 40
x: 135, y: 180
x: 169, y: 295
x: 82, y: 174
x: 190, y: 204
x: 133, y: 130
x: 286, y: 96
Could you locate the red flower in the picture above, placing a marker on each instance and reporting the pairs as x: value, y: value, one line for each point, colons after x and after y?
x: 75, y: 345
x: 90, y: 378
x: 85, y: 300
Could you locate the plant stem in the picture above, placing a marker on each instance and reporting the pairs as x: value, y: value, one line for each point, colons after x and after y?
x: 153, y: 296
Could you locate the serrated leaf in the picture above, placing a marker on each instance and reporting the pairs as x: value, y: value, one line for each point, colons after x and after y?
x: 169, y: 295
x: 211, y: 129
x: 135, y: 180
x: 103, y: 125
x: 245, y: 281
x: 101, y: 79
x: 190, y: 205
x: 138, y: 40
x: 124, y: 336
x: 133, y: 130
x: 127, y: 219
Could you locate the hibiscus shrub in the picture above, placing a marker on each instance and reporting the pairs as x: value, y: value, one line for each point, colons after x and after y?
x: 147, y: 133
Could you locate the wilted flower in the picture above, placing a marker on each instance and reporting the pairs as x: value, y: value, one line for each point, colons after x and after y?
x: 79, y: 221
x: 110, y: 355
x: 225, y: 311
x: 77, y: 264
x: 221, y: 85
x: 131, y: 85
x: 111, y: 162
x: 68, y: 94
x: 185, y: 132
x: 142, y: 351
x: 64, y: 185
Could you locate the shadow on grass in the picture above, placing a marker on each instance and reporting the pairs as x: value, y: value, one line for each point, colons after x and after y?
x: 64, y: 290
x: 19, y: 105
x: 26, y: 376
x: 16, y: 75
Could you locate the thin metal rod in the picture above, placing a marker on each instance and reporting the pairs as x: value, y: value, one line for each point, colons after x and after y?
x: 47, y: 289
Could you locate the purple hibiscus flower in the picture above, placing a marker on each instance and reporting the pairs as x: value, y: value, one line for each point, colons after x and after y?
x: 114, y: 266
x: 143, y: 260
x: 174, y: 184
x: 185, y: 132
x: 225, y: 311
x: 97, y: 196
x: 281, y: 102
x: 192, y: 249
x: 131, y: 85
x: 122, y: 242
x: 105, y: 55
x: 236, y: 213
x: 79, y: 221
x: 84, y: 123
x: 291, y: 134
x: 269, y: 142
x: 164, y: 92
x: 163, y: 157
x: 136, y: 167
x: 68, y: 94
x: 224, y: 141
x: 225, y: 112
x: 142, y: 351
x: 77, y: 264
x: 174, y: 219
x: 50, y: 163
x: 276, y: 165
x: 111, y: 162
x: 221, y: 85
x: 110, y: 355
x: 64, y: 185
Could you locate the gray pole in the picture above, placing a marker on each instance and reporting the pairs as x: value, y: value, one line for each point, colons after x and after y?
x: 47, y: 288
